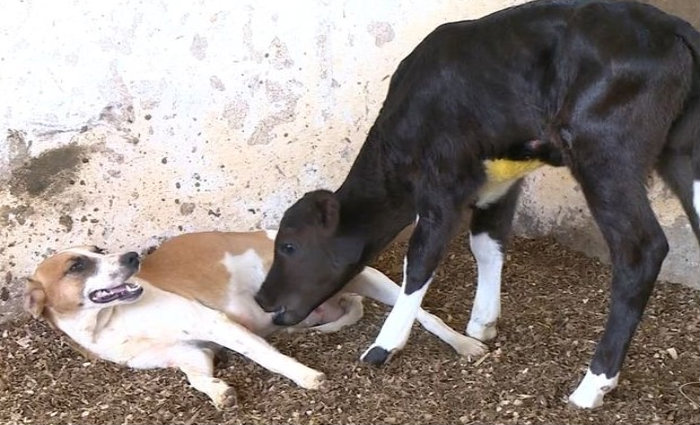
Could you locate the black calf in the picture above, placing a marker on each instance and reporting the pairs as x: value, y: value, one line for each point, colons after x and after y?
x: 609, y: 89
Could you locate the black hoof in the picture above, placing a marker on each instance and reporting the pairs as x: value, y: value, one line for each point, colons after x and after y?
x: 376, y: 356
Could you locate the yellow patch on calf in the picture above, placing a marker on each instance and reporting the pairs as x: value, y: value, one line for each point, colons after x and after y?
x: 500, y: 175
x: 501, y: 170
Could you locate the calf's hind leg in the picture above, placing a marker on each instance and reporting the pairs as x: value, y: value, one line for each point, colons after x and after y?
x: 618, y: 201
x: 489, y: 231
x: 696, y: 186
x: 677, y: 172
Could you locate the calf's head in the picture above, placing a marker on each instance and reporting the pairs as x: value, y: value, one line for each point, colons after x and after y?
x: 312, y: 260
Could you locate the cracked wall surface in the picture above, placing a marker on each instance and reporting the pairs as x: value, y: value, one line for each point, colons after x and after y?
x: 124, y: 123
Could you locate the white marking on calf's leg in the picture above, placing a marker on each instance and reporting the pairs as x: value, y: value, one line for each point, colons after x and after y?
x: 376, y: 285
x: 592, y: 389
x: 397, y: 327
x: 487, y: 303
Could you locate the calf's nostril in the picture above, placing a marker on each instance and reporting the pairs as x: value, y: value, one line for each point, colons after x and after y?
x: 278, y: 318
x: 260, y: 299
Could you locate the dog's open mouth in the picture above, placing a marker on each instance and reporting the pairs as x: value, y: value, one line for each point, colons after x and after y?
x: 124, y: 292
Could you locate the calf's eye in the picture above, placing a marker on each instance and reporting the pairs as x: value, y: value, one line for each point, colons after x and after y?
x: 287, y: 248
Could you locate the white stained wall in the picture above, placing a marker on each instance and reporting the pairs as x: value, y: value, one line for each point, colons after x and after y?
x: 131, y: 121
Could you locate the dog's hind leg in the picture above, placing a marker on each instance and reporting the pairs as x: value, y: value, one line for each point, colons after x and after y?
x: 222, y: 331
x: 679, y: 163
x: 618, y: 201
x: 488, y: 236
x: 197, y: 364
x: 354, y: 310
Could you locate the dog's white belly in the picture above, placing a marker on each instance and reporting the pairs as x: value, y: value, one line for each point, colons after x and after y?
x: 147, y: 353
x: 140, y: 334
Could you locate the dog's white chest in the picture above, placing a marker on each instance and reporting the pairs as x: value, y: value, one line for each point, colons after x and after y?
x: 246, y: 274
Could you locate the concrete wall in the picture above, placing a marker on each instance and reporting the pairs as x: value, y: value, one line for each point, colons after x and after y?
x: 126, y: 122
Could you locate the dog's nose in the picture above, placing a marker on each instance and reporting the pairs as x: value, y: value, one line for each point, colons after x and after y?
x: 130, y: 260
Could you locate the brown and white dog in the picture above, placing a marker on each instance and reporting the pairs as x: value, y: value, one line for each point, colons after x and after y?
x: 194, y: 290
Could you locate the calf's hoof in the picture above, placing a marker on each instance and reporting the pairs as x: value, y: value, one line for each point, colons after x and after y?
x: 586, y: 401
x: 590, y: 392
x: 376, y: 355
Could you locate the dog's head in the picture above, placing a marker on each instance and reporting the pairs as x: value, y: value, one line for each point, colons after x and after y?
x: 82, y: 278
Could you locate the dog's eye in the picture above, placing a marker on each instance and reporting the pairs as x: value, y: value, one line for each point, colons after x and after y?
x: 77, y: 266
x: 287, y: 248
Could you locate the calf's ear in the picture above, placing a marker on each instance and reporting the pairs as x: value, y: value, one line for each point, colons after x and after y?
x: 328, y: 210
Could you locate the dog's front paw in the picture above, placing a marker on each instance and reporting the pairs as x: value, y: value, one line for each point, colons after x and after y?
x: 226, y: 399
x: 376, y: 355
x: 469, y: 347
x: 313, y: 380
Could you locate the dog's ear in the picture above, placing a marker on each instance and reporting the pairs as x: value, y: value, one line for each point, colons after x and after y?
x: 34, y: 298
